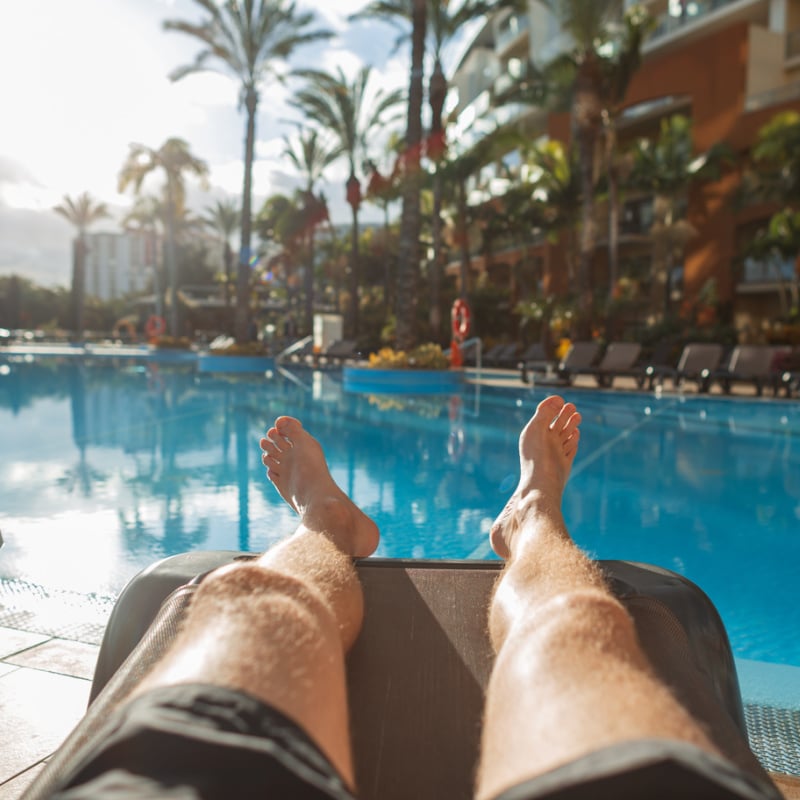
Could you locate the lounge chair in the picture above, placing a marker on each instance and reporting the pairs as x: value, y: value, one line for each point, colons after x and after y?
x: 750, y: 363
x: 298, y: 352
x: 503, y: 355
x: 338, y: 352
x: 418, y: 672
x: 619, y: 360
x: 580, y: 357
x: 697, y: 363
x: 535, y: 356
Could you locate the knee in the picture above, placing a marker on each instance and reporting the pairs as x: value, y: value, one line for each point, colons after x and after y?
x: 581, y: 618
x: 249, y: 587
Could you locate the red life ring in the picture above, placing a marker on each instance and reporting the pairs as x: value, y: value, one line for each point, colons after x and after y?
x: 155, y: 326
x: 460, y: 317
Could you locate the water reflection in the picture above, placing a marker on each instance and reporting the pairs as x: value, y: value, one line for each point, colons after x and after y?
x: 117, y: 465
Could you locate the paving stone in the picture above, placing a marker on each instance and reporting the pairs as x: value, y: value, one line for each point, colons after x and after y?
x: 13, y: 641
x: 13, y: 789
x: 39, y: 710
x: 59, y: 655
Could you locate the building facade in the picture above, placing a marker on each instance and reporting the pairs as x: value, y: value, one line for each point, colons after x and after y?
x: 119, y: 264
x: 728, y: 65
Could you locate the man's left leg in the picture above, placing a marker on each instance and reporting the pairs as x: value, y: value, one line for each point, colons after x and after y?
x: 277, y: 628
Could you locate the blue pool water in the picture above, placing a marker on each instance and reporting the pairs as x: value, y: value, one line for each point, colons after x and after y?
x: 104, y: 469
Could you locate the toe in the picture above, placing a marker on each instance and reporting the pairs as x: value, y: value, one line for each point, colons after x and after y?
x: 288, y: 427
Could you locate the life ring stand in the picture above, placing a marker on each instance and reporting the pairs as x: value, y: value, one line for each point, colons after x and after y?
x: 155, y: 326
x: 461, y: 319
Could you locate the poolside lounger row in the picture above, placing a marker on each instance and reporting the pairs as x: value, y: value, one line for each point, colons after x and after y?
x: 699, y: 363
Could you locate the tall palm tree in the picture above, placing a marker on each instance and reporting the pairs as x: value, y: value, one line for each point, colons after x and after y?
x: 82, y: 212
x: 590, y: 23
x: 251, y: 42
x: 408, y: 253
x: 176, y: 160
x: 353, y: 115
x: 224, y: 218
x: 620, y: 68
x: 310, y: 156
x: 445, y: 20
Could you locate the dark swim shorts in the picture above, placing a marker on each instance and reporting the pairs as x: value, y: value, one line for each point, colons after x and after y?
x: 195, y: 741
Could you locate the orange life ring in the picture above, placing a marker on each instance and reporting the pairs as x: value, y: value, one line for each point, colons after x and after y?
x: 155, y: 325
x: 460, y: 317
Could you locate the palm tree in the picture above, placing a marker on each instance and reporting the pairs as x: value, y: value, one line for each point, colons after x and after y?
x: 310, y: 156
x: 590, y: 23
x: 251, y: 42
x: 444, y: 21
x: 620, y: 68
x: 82, y: 212
x: 408, y: 253
x: 175, y: 159
x: 668, y: 167
x: 775, y: 178
x: 352, y: 115
x: 224, y: 218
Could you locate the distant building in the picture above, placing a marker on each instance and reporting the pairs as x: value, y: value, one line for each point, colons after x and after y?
x: 119, y: 264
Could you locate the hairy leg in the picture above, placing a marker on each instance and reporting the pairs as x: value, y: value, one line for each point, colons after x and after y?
x: 278, y: 627
x: 570, y: 676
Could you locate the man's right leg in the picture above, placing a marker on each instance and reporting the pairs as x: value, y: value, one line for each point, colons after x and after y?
x: 570, y: 677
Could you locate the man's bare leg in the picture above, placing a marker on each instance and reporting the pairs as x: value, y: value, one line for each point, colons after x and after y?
x: 570, y: 676
x: 278, y: 627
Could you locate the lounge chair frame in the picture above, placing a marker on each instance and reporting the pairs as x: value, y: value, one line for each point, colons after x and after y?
x: 418, y: 672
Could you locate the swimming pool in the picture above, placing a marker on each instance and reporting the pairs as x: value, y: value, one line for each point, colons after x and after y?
x: 106, y: 468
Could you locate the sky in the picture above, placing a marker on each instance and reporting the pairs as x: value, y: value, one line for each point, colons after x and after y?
x: 82, y: 80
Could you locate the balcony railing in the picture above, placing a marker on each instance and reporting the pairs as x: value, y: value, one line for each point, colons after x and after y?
x: 773, y: 270
x: 510, y: 30
x: 691, y: 13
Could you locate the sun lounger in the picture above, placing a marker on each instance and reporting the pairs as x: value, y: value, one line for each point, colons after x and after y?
x: 752, y: 363
x: 418, y: 672
x: 535, y: 356
x: 580, y: 357
x: 338, y: 352
x: 503, y: 355
x: 619, y: 360
x: 697, y: 363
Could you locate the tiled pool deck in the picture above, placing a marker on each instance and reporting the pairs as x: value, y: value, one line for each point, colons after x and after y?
x: 45, y: 675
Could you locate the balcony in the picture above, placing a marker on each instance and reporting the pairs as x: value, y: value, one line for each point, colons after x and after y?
x: 760, y: 275
x: 684, y: 16
x: 510, y: 31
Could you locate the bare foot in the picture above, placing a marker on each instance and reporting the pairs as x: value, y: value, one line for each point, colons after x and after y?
x: 547, y: 448
x: 296, y: 465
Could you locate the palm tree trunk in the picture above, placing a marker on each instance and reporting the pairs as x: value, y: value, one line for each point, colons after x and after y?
x: 437, y: 91
x: 355, y: 272
x: 242, y: 317
x: 172, y: 267
x: 586, y: 117
x: 613, y: 210
x: 463, y: 235
x: 309, y: 282
x: 408, y: 253
x: 78, y: 293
